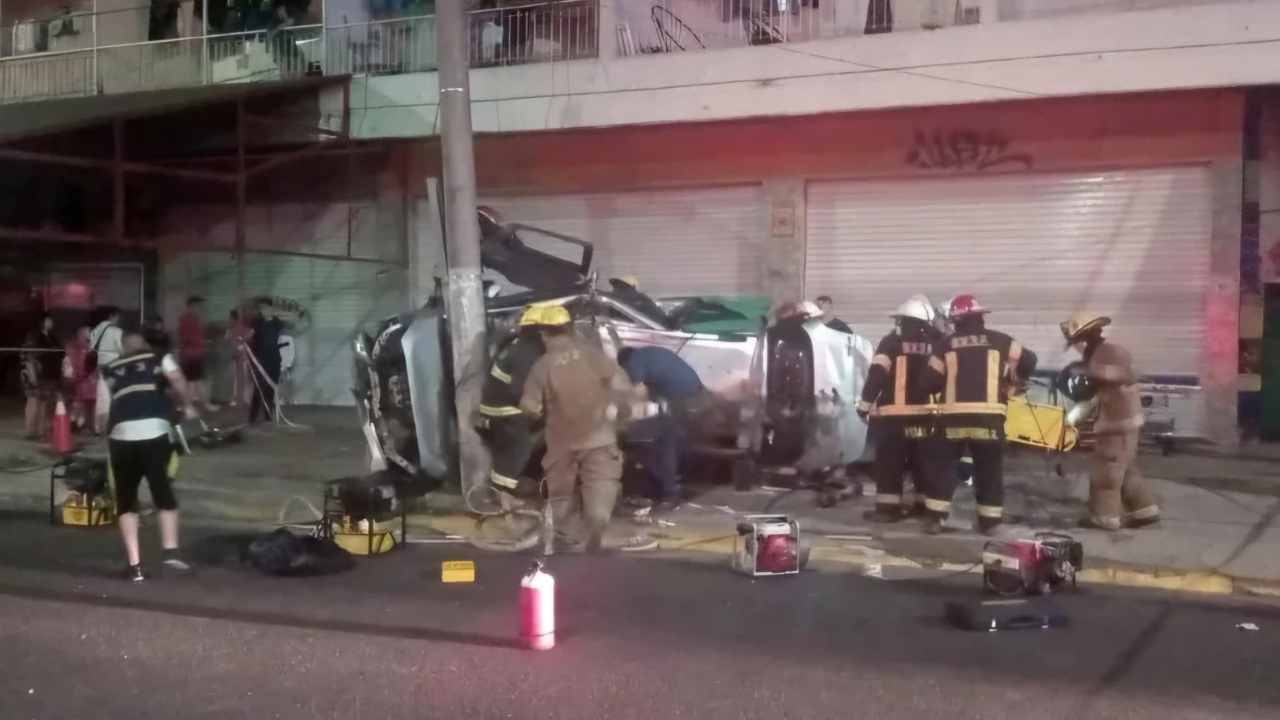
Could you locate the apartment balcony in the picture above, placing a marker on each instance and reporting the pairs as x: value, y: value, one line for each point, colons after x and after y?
x: 618, y: 46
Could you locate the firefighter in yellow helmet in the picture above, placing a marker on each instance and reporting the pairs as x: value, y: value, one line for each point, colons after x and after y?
x: 1117, y: 493
x: 505, y: 429
x: 576, y: 388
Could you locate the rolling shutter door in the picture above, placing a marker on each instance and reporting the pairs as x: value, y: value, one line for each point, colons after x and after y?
x: 1131, y: 244
x: 692, y: 241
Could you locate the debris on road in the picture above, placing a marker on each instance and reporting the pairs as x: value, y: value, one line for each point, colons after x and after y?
x: 1248, y: 627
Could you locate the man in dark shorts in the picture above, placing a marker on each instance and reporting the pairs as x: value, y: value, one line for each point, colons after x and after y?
x: 192, y: 348
x: 139, y: 445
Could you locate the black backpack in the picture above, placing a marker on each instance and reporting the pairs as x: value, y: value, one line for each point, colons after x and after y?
x: 280, y: 552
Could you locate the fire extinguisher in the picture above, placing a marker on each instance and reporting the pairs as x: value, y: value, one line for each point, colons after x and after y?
x: 538, y: 609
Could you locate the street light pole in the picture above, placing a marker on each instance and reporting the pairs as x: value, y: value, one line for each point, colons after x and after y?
x: 464, y: 299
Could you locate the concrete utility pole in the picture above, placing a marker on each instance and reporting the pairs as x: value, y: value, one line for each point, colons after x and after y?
x: 465, y: 292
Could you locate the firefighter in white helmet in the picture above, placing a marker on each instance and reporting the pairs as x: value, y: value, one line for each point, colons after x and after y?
x: 900, y: 410
x: 1117, y: 493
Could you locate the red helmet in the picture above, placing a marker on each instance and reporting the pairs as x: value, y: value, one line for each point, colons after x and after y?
x: 963, y: 305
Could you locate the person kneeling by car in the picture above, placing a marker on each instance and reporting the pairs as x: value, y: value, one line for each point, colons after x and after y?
x: 666, y: 378
x: 505, y: 429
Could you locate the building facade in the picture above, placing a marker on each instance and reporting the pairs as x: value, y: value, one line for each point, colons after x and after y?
x: 1112, y: 156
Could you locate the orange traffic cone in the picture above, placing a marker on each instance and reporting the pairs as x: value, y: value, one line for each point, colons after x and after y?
x: 60, y: 438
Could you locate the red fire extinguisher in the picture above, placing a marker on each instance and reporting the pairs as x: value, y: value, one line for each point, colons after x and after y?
x: 538, y: 609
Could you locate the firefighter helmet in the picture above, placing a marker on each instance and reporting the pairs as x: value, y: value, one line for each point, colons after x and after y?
x: 545, y: 314
x: 918, y: 307
x: 809, y: 310
x: 963, y: 306
x: 1074, y: 382
x: 1081, y: 322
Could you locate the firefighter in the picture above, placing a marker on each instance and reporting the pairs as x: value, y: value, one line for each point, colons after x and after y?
x: 942, y: 321
x: 506, y: 430
x: 577, y: 388
x: 900, y: 408
x: 1117, y: 493
x: 974, y: 368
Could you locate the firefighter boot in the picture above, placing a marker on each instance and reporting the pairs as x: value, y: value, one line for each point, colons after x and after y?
x: 987, y: 525
x: 933, y: 522
x: 888, y: 509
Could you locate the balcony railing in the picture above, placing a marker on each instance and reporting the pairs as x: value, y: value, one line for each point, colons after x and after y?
x: 76, y: 57
x: 529, y: 33
x: 665, y: 26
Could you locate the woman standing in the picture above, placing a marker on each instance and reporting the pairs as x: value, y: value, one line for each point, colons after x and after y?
x: 80, y: 385
x: 41, y: 377
x: 237, y: 337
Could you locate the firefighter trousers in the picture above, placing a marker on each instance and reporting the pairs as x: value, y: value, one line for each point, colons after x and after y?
x: 583, y: 486
x: 988, y: 479
x: 901, y: 449
x: 1116, y: 489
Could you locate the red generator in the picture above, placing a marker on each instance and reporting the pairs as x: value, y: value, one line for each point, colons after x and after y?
x: 1037, y: 566
x: 770, y: 545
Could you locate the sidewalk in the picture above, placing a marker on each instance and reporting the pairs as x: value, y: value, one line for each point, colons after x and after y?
x: 275, y: 469
x: 1219, y: 534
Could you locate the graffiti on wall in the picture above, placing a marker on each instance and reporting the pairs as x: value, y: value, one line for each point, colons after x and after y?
x: 964, y: 150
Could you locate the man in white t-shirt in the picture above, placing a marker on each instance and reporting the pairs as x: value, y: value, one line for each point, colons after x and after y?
x: 140, y: 446
x: 105, y: 339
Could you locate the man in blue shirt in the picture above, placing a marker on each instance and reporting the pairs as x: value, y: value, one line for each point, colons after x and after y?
x: 668, y: 379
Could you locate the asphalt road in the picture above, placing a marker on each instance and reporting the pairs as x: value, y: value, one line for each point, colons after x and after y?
x: 641, y: 637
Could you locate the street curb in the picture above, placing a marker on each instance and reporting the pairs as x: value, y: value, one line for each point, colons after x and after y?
x: 1206, y: 582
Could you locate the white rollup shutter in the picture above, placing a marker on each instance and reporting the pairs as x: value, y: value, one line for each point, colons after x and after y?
x: 1131, y: 244
x: 692, y: 241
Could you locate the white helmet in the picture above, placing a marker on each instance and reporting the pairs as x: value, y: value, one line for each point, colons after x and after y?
x: 918, y: 307
x: 809, y: 309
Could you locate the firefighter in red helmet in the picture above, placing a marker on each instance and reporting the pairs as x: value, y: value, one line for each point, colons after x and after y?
x: 974, y: 368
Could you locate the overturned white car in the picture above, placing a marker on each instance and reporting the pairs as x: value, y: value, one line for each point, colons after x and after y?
x: 792, y: 387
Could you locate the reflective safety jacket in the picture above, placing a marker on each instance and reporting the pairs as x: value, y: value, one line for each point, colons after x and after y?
x: 974, y: 369
x: 894, y: 387
x: 137, y: 388
x: 504, y: 385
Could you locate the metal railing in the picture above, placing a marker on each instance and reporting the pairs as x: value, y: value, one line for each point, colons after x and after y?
x: 45, y: 77
x: 383, y: 47
x: 529, y: 33
x: 516, y: 35
x: 533, y: 33
x: 665, y: 26
x: 78, y: 58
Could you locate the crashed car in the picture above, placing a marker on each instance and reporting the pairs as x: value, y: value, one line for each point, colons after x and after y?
x: 791, y: 389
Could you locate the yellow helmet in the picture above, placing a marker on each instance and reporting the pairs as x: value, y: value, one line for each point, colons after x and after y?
x: 1082, y: 322
x: 545, y: 314
x: 631, y: 280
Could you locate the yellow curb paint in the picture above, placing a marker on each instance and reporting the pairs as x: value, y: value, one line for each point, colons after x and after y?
x: 1208, y: 583
x: 1196, y: 582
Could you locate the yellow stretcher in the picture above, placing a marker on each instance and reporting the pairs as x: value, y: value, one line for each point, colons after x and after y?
x: 1037, y: 425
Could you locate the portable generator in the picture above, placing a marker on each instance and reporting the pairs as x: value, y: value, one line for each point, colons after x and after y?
x: 1037, y: 566
x: 770, y: 545
x: 79, y: 493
